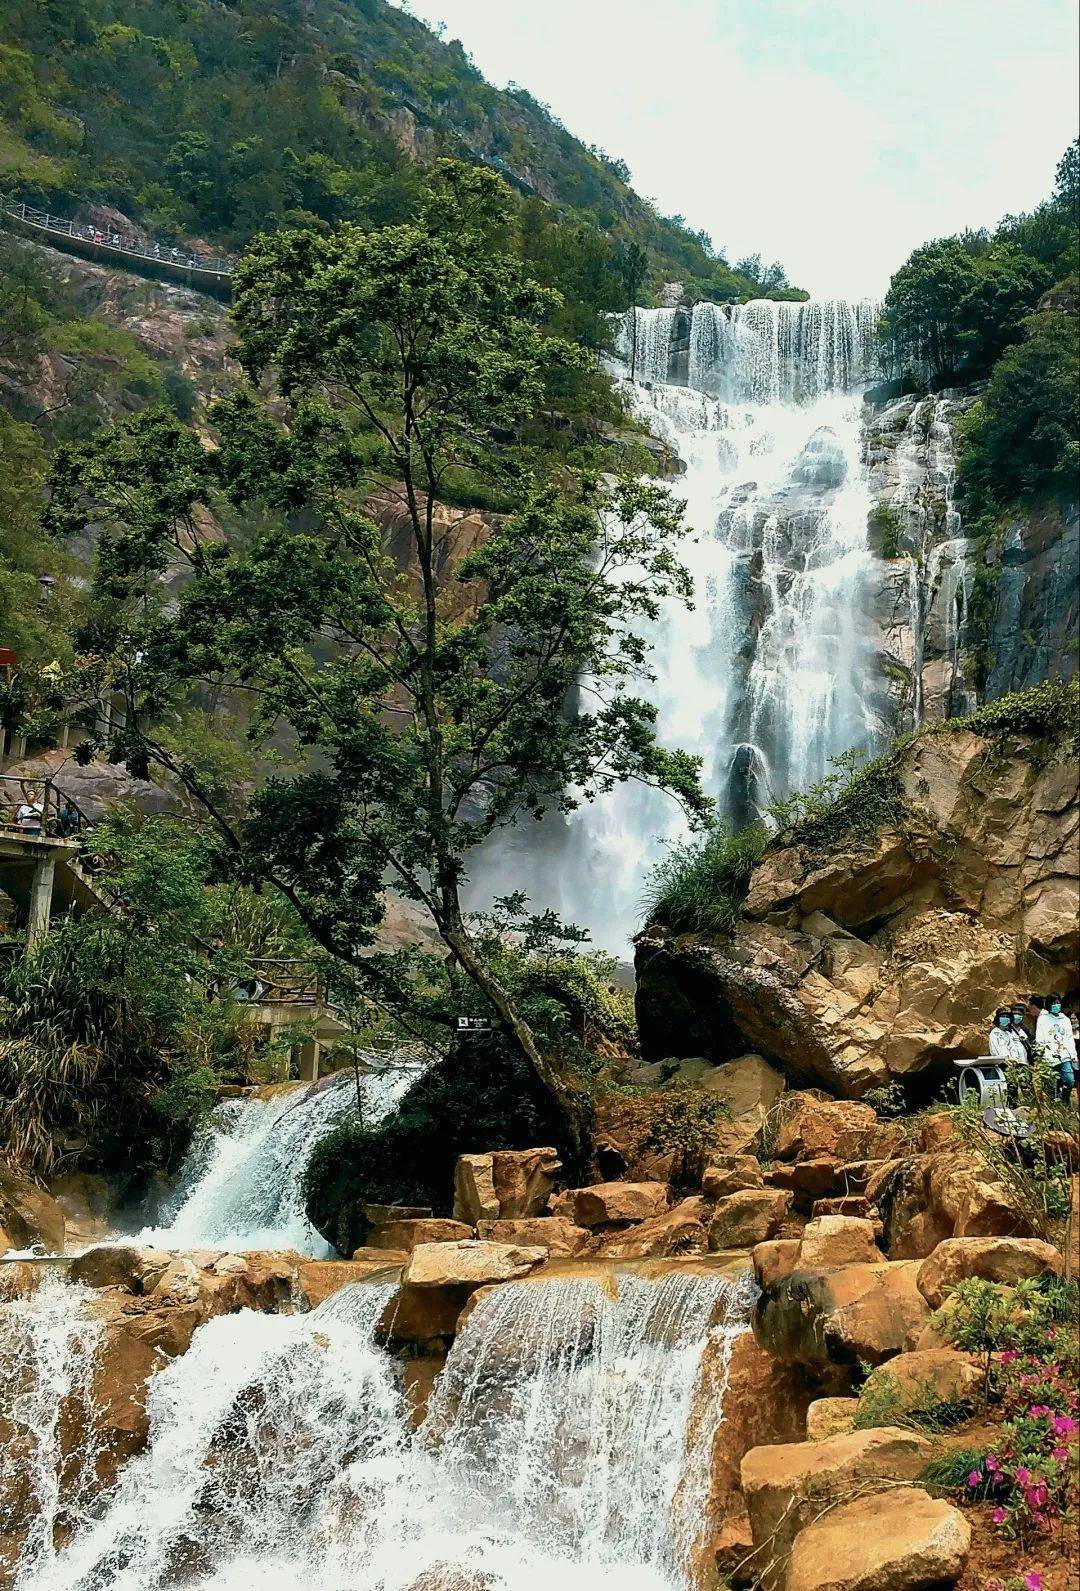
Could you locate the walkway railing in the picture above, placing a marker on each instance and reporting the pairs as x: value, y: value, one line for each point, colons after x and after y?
x: 115, y: 247
x: 38, y: 807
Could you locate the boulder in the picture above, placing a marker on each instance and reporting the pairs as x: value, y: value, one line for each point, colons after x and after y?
x: 787, y: 1486
x: 856, y: 1204
x: 809, y: 1179
x: 553, y: 1232
x: 317, y: 1279
x: 896, y: 1540
x: 828, y: 1417
x: 403, y: 1236
x: 731, y: 1174
x: 774, y: 1259
x: 470, y: 1264
x: 837, y: 1240
x: 811, y: 1128
x: 28, y: 1215
x: 748, y: 1218
x: 680, y: 1230
x: 423, y: 1318
x: 506, y: 1184
x: 87, y: 1202
x: 858, y: 1314
x: 612, y: 1203
x: 998, y: 1259
x: 137, y: 1270
x: 913, y: 1382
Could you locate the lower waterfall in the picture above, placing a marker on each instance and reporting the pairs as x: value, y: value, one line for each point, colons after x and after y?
x: 569, y: 1435
x: 240, y: 1183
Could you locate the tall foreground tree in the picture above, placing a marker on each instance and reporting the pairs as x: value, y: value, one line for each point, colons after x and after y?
x: 435, y: 703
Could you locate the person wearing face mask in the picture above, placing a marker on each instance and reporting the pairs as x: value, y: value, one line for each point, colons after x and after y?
x: 1006, y: 1044
x: 1054, y: 1037
x: 1019, y: 1027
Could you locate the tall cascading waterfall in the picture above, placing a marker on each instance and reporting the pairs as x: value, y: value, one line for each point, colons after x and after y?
x: 569, y: 1436
x: 768, y: 677
x: 240, y: 1183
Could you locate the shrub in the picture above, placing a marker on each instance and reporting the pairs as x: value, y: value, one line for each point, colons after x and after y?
x: 683, y: 1119
x: 700, y: 884
x: 855, y: 798
x: 480, y: 1096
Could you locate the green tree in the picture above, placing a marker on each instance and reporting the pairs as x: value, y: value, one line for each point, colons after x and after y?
x: 437, y: 703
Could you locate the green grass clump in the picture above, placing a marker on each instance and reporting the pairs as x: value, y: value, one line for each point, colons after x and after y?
x: 700, y: 884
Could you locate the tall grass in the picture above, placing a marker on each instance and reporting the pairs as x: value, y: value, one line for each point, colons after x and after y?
x: 699, y: 885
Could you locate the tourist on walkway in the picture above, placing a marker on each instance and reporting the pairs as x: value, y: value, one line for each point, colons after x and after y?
x: 1054, y: 1039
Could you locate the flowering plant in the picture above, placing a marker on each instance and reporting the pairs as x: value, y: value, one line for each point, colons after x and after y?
x: 1031, y: 1473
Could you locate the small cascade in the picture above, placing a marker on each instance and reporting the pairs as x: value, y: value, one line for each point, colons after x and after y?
x: 48, y: 1344
x: 568, y: 1442
x: 240, y: 1183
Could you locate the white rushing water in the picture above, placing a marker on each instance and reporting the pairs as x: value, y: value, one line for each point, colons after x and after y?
x: 768, y: 677
x: 240, y: 1184
x: 567, y: 1444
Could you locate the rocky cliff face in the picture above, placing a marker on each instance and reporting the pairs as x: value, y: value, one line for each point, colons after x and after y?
x: 882, y: 956
x: 960, y: 618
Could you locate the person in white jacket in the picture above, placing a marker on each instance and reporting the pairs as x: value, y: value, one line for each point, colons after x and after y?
x: 1006, y: 1044
x: 1054, y: 1038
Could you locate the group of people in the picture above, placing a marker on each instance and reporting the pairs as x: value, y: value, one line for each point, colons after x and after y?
x: 1041, y: 1027
x: 153, y: 251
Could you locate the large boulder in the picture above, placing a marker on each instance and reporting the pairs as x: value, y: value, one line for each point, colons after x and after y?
x: 828, y: 1417
x: 612, y: 1203
x: 553, y: 1232
x: 811, y: 1128
x: 866, y: 956
x: 403, y: 1236
x: 504, y: 1185
x: 136, y: 1269
x: 897, y: 1540
x: 28, y: 1215
x: 845, y: 1318
x: 680, y: 1230
x: 915, y: 1382
x: 789, y: 1485
x: 998, y: 1259
x: 470, y: 1263
x: 837, y: 1240
x: 744, y: 1219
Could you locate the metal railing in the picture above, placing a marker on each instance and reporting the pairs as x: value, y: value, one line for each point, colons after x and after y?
x: 38, y: 808
x: 109, y: 242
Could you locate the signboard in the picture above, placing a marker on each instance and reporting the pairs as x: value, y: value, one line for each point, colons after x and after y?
x: 8, y: 658
x: 473, y: 1024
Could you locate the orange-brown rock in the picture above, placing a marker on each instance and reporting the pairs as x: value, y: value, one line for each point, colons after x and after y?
x: 403, y: 1236
x: 998, y: 1259
x: 731, y: 1174
x: 317, y: 1279
x: 897, y: 1540
x: 787, y: 1486
x: 837, y: 1240
x: 553, y: 1232
x: 857, y: 1314
x: 774, y: 1259
x: 86, y: 1202
x: 423, y: 1316
x: 28, y: 1215
x: 680, y: 1230
x: 869, y: 957
x: 828, y: 1417
x: 612, y: 1203
x: 745, y: 1219
x: 810, y: 1127
x: 506, y: 1184
x: 761, y: 1401
x: 809, y: 1179
x: 855, y: 1204
x: 137, y: 1270
x: 918, y: 1381
x: 471, y: 1263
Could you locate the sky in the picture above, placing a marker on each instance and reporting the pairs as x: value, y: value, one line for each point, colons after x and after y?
x: 833, y: 135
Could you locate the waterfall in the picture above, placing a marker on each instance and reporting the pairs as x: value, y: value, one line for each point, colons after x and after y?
x: 240, y: 1183
x: 565, y: 1439
x: 48, y: 1343
x: 767, y: 677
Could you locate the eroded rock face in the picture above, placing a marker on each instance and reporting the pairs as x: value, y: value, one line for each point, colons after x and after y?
x: 745, y: 1219
x: 918, y: 1380
x: 405, y: 1235
x: 884, y: 956
x: 470, y: 1264
x: 898, y: 1540
x: 553, y: 1232
x: 28, y: 1215
x: 612, y: 1203
x: 505, y: 1185
x: 857, y: 1314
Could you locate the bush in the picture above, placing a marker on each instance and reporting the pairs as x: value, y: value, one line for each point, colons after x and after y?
x: 481, y: 1096
x: 856, y: 798
x: 700, y: 884
x: 683, y: 1119
x: 1050, y: 711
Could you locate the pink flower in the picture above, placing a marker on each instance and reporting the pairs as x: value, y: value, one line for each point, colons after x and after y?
x: 991, y: 1463
x: 974, y: 1478
x: 1063, y: 1425
x: 1060, y: 1453
x: 1033, y: 1580
x: 1023, y: 1475
x: 1000, y: 1515
x: 1009, y: 1356
x: 1038, y: 1411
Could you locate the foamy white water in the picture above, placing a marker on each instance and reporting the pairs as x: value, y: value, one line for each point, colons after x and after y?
x: 556, y: 1451
x: 769, y: 676
x: 241, y: 1180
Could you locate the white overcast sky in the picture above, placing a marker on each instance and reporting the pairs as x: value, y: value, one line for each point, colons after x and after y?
x: 834, y: 135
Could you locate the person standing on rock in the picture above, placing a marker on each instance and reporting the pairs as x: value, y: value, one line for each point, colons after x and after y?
x: 1054, y: 1038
